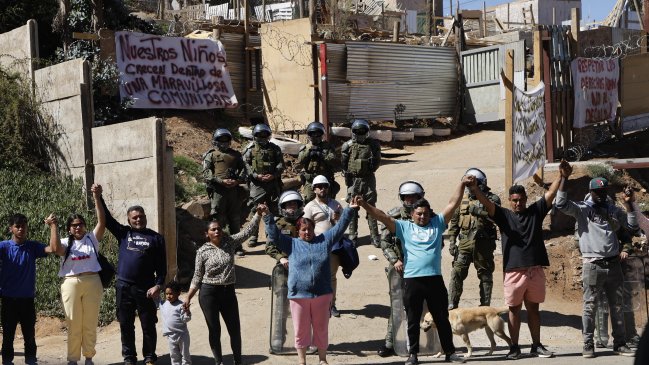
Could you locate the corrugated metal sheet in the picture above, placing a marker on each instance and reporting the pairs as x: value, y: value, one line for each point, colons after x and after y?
x: 234, y: 49
x: 485, y: 91
x: 380, y: 76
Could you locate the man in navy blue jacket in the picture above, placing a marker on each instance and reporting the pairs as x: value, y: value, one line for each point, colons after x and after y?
x: 141, y: 271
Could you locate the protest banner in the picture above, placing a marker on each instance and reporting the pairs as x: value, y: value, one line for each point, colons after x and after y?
x: 173, y: 72
x: 596, y: 93
x: 528, y: 153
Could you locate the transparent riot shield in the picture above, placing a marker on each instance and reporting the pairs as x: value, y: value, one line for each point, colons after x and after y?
x: 428, y: 341
x: 635, y: 305
x: 281, y: 331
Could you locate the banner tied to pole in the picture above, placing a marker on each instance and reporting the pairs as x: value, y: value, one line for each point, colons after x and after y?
x: 596, y: 92
x: 528, y: 152
x: 173, y: 72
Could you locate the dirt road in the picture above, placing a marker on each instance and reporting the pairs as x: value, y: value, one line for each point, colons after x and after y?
x: 363, y: 299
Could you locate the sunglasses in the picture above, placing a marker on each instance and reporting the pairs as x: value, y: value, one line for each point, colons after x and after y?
x: 321, y: 186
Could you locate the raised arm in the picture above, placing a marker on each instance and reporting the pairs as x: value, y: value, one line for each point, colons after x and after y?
x: 564, y: 172
x: 55, y: 240
x: 455, y: 199
x: 375, y: 213
x: 336, y: 232
x: 247, y: 231
x: 100, y: 228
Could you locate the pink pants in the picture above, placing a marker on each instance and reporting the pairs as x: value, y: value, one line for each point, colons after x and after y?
x: 310, y: 313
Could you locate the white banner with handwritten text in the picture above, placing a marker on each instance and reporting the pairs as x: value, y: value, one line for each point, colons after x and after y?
x: 596, y: 92
x: 173, y: 72
x: 528, y: 127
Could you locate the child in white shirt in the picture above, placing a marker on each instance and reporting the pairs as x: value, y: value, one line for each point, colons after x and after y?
x: 174, y: 325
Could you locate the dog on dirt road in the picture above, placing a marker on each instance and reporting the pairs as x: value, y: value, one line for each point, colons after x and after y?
x: 466, y: 320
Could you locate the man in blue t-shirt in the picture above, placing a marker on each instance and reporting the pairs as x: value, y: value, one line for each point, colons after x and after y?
x: 421, y: 241
x: 18, y: 284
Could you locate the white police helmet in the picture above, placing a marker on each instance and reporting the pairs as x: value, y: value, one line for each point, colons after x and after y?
x: 479, y: 175
x: 289, y: 196
x: 319, y: 180
x: 410, y: 187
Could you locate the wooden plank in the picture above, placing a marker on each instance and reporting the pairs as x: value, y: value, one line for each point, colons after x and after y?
x: 509, y: 131
x: 85, y: 36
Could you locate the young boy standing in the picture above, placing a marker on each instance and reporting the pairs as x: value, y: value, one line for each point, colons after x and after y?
x: 174, y: 325
x: 18, y: 284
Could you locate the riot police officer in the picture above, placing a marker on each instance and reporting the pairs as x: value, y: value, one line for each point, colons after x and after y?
x: 361, y: 157
x: 291, y: 207
x: 477, y: 242
x: 224, y: 170
x: 264, y: 165
x: 315, y: 159
x: 409, y: 193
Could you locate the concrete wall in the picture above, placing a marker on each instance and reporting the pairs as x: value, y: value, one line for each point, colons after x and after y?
x: 542, y: 9
x: 135, y: 166
x: 288, y: 73
x: 65, y: 90
x: 18, y: 48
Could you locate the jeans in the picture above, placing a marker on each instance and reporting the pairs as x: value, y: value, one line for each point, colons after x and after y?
x: 215, y: 299
x: 432, y: 290
x: 597, y: 277
x: 131, y: 298
x: 14, y: 311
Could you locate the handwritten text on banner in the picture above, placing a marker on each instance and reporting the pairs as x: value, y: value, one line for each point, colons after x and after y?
x: 528, y: 153
x: 596, y: 93
x: 172, y: 72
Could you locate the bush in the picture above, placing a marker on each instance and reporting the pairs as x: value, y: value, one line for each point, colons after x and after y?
x: 36, y: 195
x: 188, y: 179
x: 605, y: 171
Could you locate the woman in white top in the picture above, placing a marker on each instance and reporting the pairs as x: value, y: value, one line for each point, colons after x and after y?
x: 81, y: 290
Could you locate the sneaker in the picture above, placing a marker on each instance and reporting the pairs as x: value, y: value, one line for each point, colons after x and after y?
x: 240, y: 252
x: 334, y: 311
x: 633, y: 342
x: 589, y: 351
x: 600, y: 345
x: 412, y: 360
x: 455, y: 358
x: 253, y: 244
x: 89, y: 362
x: 385, y: 351
x: 540, y: 351
x: 514, y: 353
x: 624, y: 351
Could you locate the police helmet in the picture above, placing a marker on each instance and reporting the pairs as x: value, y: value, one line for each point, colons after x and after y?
x: 479, y: 175
x: 315, y: 131
x: 289, y: 196
x: 320, y: 180
x: 360, y: 130
x: 262, y: 133
x: 219, y: 134
x: 410, y: 187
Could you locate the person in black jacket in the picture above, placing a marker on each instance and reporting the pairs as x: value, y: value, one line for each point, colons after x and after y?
x: 141, y: 271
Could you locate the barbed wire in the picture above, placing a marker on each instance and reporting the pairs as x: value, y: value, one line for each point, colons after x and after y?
x: 617, y: 51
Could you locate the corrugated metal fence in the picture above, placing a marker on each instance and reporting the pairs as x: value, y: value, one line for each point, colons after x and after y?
x: 234, y: 49
x: 368, y: 80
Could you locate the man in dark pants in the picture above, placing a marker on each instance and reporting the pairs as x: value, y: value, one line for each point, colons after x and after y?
x: 421, y: 241
x: 141, y: 271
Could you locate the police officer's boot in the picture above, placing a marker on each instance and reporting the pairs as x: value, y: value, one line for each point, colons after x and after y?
x: 374, y: 231
x: 486, y: 285
x: 352, y: 229
x: 455, y: 290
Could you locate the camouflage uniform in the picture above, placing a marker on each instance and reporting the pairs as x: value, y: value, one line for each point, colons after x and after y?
x: 286, y: 226
x: 477, y: 242
x: 360, y: 160
x: 391, y: 247
x: 317, y: 160
x: 261, y: 160
x: 225, y: 204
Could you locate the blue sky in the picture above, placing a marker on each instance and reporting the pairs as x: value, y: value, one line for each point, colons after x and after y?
x: 592, y: 10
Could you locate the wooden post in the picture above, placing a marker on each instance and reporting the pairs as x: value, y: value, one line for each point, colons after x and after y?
x: 645, y: 15
x: 507, y: 16
x: 509, y: 131
x: 484, y: 19
x: 548, y: 100
x: 395, y: 31
x: 301, y: 7
x: 263, y: 11
x: 429, y: 16
x: 450, y: 7
x: 312, y: 16
x: 637, y: 11
x: 575, y: 14
x: 248, y: 73
x: 538, y: 60
x: 433, y: 19
x: 532, y: 14
x: 324, y: 89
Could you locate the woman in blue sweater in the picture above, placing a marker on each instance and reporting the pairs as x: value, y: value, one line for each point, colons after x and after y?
x: 309, y: 279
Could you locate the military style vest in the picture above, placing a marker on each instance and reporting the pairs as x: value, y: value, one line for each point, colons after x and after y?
x: 360, y: 159
x: 222, y: 161
x: 472, y: 226
x: 265, y: 160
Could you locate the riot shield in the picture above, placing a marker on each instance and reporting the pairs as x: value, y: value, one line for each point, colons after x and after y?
x: 635, y: 305
x: 428, y: 341
x: 281, y: 332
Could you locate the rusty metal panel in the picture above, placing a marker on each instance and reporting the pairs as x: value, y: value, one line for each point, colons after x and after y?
x: 379, y: 76
x: 235, y: 52
x: 485, y: 94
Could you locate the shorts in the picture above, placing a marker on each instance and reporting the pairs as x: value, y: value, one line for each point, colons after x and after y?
x: 524, y: 284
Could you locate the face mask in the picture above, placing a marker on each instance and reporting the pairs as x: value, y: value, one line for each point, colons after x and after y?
x: 315, y: 138
x: 359, y: 137
x: 262, y: 141
x: 223, y: 145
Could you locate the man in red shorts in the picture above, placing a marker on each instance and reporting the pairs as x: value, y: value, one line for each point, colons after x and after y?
x: 524, y: 257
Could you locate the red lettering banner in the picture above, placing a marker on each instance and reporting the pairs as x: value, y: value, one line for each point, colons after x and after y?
x: 596, y: 92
